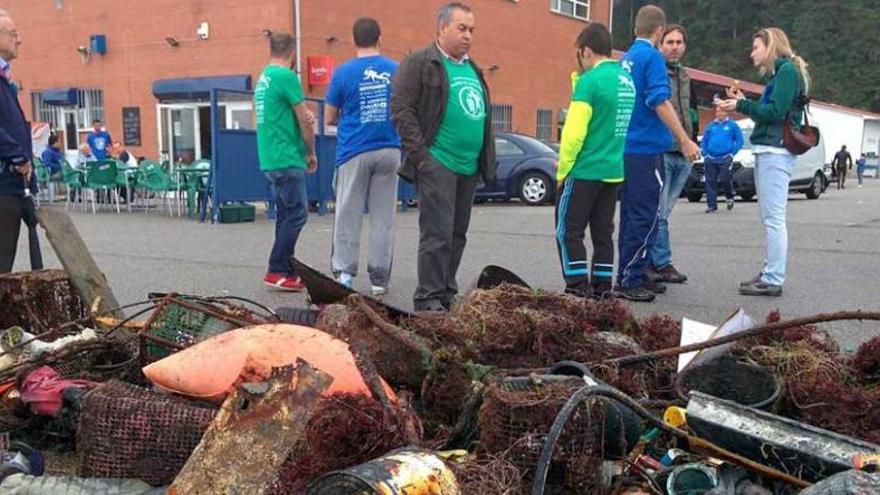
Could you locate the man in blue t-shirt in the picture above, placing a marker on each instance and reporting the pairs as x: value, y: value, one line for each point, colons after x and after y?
x: 367, y: 158
x: 99, y: 141
x: 652, y: 128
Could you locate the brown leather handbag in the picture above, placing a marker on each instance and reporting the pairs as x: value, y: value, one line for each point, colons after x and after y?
x: 799, y: 141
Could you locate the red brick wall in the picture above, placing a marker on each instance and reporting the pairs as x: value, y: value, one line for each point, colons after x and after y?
x: 531, y: 46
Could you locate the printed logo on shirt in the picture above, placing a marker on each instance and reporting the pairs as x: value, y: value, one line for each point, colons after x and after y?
x: 470, y: 97
x: 373, y: 96
x: 260, y: 98
x: 100, y: 143
x: 626, y: 101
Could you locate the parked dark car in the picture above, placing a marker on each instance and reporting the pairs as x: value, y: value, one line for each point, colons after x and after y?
x: 526, y: 169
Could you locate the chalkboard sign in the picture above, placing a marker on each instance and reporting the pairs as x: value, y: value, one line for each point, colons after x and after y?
x: 131, y: 126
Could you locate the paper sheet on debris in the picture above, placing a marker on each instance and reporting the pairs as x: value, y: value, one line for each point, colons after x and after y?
x: 693, y: 331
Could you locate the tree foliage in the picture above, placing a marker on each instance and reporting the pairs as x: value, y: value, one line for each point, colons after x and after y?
x: 839, y: 40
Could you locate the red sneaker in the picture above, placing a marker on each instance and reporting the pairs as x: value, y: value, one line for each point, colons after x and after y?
x: 284, y: 282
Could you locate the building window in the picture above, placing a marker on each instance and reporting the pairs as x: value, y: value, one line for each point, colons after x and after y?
x: 544, y: 129
x: 574, y: 8
x: 90, y: 107
x: 502, y: 117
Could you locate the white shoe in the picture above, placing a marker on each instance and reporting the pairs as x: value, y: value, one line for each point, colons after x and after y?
x: 346, y: 280
x: 860, y: 186
x: 378, y: 290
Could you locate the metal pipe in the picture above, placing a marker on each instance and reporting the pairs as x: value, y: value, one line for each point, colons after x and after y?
x: 298, y: 29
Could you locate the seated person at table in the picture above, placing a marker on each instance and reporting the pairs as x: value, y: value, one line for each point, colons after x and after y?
x: 85, y: 155
x: 52, y: 155
x: 120, y: 153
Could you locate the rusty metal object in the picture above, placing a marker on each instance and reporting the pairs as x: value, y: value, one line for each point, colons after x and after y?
x: 253, y: 434
x: 402, y: 472
x: 40, y: 302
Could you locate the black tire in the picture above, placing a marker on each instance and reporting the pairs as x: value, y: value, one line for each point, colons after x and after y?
x: 695, y: 197
x: 535, y: 188
x: 298, y: 316
x: 747, y: 196
x: 817, y: 185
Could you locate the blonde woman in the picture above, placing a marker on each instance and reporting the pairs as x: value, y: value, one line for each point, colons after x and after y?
x: 784, y: 94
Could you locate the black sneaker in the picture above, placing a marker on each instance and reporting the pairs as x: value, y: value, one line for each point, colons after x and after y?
x: 655, y: 287
x: 672, y: 276
x: 602, y: 290
x: 580, y: 290
x: 753, y: 280
x: 761, y: 289
x: 636, y: 294
x: 730, y: 204
x: 711, y: 210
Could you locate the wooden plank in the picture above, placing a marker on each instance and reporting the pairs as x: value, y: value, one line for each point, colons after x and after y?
x: 77, y: 261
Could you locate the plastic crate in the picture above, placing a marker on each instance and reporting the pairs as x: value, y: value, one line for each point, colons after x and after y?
x: 237, y: 212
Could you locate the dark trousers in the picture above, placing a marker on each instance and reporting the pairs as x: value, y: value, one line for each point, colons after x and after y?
x: 639, y: 208
x: 445, y: 201
x: 841, y: 177
x: 718, y: 170
x: 10, y: 226
x: 585, y: 203
x: 292, y: 211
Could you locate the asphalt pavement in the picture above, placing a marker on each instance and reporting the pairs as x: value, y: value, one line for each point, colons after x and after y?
x: 834, y: 256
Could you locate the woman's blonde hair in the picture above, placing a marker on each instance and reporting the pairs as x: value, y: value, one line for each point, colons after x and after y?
x: 778, y: 46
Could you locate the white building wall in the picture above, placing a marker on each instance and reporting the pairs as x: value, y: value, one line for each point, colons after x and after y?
x: 871, y: 141
x: 838, y: 128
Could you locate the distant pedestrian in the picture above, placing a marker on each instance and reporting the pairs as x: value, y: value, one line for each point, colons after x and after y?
x: 676, y: 168
x: 441, y: 107
x: 861, y: 164
x: 99, y: 140
x: 18, y: 182
x: 652, y: 127
x: 367, y: 158
x: 784, y: 94
x: 842, y: 160
x: 591, y: 164
x: 722, y: 140
x: 286, y: 149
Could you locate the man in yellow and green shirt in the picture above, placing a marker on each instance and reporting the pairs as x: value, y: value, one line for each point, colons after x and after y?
x: 591, y: 163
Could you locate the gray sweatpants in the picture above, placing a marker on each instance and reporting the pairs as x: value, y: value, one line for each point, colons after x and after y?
x: 445, y: 200
x: 369, y: 179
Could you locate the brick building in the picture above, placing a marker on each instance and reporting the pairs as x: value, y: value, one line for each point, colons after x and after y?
x: 155, y: 60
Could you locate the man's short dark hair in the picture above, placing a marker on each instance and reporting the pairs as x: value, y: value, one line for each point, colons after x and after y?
x: 96, y: 121
x: 648, y: 19
x: 672, y: 28
x: 366, y: 32
x: 281, y: 45
x: 52, y: 139
x: 596, y: 37
x: 444, y: 15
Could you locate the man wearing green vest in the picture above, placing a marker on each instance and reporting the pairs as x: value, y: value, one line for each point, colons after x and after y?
x: 591, y: 163
x: 440, y: 106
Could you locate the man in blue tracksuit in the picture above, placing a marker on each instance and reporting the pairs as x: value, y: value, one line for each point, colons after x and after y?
x: 650, y: 134
x: 722, y: 139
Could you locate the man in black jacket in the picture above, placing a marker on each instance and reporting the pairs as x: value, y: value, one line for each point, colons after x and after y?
x: 839, y: 164
x: 17, y: 179
x: 441, y: 109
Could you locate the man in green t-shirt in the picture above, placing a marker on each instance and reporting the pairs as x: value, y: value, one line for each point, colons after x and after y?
x: 591, y: 163
x: 286, y: 148
x: 441, y: 110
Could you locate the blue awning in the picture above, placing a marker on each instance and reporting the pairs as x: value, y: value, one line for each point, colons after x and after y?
x: 60, y: 96
x: 198, y: 88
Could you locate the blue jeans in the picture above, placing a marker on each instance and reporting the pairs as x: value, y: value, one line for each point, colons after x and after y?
x: 772, y: 175
x: 718, y: 169
x: 292, y: 211
x: 676, y: 171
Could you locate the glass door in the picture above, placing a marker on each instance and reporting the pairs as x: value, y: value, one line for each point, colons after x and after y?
x: 179, y: 133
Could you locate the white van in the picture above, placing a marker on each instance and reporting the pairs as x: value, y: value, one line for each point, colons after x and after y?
x: 808, y: 176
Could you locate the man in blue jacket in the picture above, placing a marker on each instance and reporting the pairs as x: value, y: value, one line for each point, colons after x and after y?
x: 99, y: 141
x: 721, y: 141
x: 16, y: 173
x: 650, y: 134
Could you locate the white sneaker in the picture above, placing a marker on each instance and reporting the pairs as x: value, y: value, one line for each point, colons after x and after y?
x: 860, y: 186
x: 378, y: 290
x: 346, y: 280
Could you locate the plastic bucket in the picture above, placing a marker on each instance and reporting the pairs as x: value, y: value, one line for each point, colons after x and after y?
x: 728, y: 378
